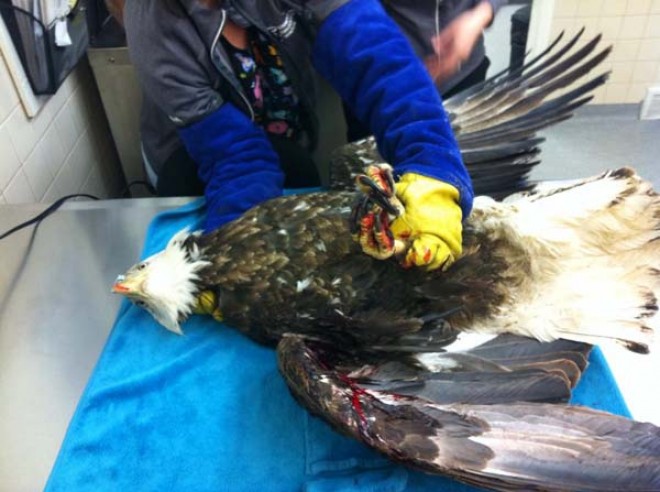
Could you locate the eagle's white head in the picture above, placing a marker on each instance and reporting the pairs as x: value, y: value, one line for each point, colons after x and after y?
x: 165, y: 284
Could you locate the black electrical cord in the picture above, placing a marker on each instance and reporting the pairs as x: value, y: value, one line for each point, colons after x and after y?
x: 38, y: 218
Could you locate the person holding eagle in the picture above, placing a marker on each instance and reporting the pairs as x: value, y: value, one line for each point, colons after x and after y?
x: 234, y: 80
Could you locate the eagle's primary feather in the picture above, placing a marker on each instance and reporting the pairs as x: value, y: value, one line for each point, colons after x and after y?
x: 490, y: 431
x: 495, y: 122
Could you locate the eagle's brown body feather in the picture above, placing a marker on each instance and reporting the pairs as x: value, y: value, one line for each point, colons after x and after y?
x: 291, y: 265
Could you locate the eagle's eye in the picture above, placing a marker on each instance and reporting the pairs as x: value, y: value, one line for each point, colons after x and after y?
x: 141, y: 266
x: 141, y: 303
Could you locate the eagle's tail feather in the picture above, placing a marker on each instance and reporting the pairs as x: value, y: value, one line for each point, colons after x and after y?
x: 606, y: 234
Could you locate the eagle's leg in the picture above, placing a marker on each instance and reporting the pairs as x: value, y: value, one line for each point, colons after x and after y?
x: 377, y: 182
x: 375, y: 210
x: 207, y: 303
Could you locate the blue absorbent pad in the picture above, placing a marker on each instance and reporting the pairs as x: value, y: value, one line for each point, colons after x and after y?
x: 208, y: 411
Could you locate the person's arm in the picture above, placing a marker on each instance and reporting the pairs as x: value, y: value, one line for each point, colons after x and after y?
x: 236, y: 162
x: 362, y: 53
x: 116, y: 9
x: 235, y: 159
x: 455, y: 42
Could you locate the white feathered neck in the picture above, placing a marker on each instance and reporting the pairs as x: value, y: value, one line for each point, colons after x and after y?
x: 170, y: 287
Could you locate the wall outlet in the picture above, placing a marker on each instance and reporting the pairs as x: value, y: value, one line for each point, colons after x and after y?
x: 651, y: 105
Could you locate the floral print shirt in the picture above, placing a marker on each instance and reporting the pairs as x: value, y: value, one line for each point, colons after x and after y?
x: 269, y: 91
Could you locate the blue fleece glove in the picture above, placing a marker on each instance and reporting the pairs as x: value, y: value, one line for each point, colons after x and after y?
x: 362, y: 53
x: 236, y: 162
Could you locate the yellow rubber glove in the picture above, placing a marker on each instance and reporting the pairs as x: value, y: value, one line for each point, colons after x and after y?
x: 431, y: 224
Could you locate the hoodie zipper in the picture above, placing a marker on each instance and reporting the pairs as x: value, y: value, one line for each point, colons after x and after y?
x: 290, y: 62
x: 232, y: 81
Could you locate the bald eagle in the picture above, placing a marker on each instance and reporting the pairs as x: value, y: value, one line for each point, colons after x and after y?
x: 383, y: 353
x: 460, y: 372
x: 576, y: 262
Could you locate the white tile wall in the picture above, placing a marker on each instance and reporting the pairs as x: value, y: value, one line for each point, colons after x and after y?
x: 76, y: 167
x: 653, y: 27
x: 67, y: 148
x: 649, y: 49
x: 625, y: 50
x: 616, y: 7
x: 589, y: 8
x: 66, y: 127
x: 36, y: 170
x: 638, y: 7
x: 18, y: 190
x: 632, y: 27
x: 565, y: 8
x: 22, y: 133
x: 10, y: 163
x: 610, y: 26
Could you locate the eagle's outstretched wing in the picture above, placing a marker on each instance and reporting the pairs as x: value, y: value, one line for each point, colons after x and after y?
x: 495, y: 122
x: 480, y: 416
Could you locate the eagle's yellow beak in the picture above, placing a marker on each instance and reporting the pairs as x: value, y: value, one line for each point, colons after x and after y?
x: 119, y: 288
x: 125, y: 285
